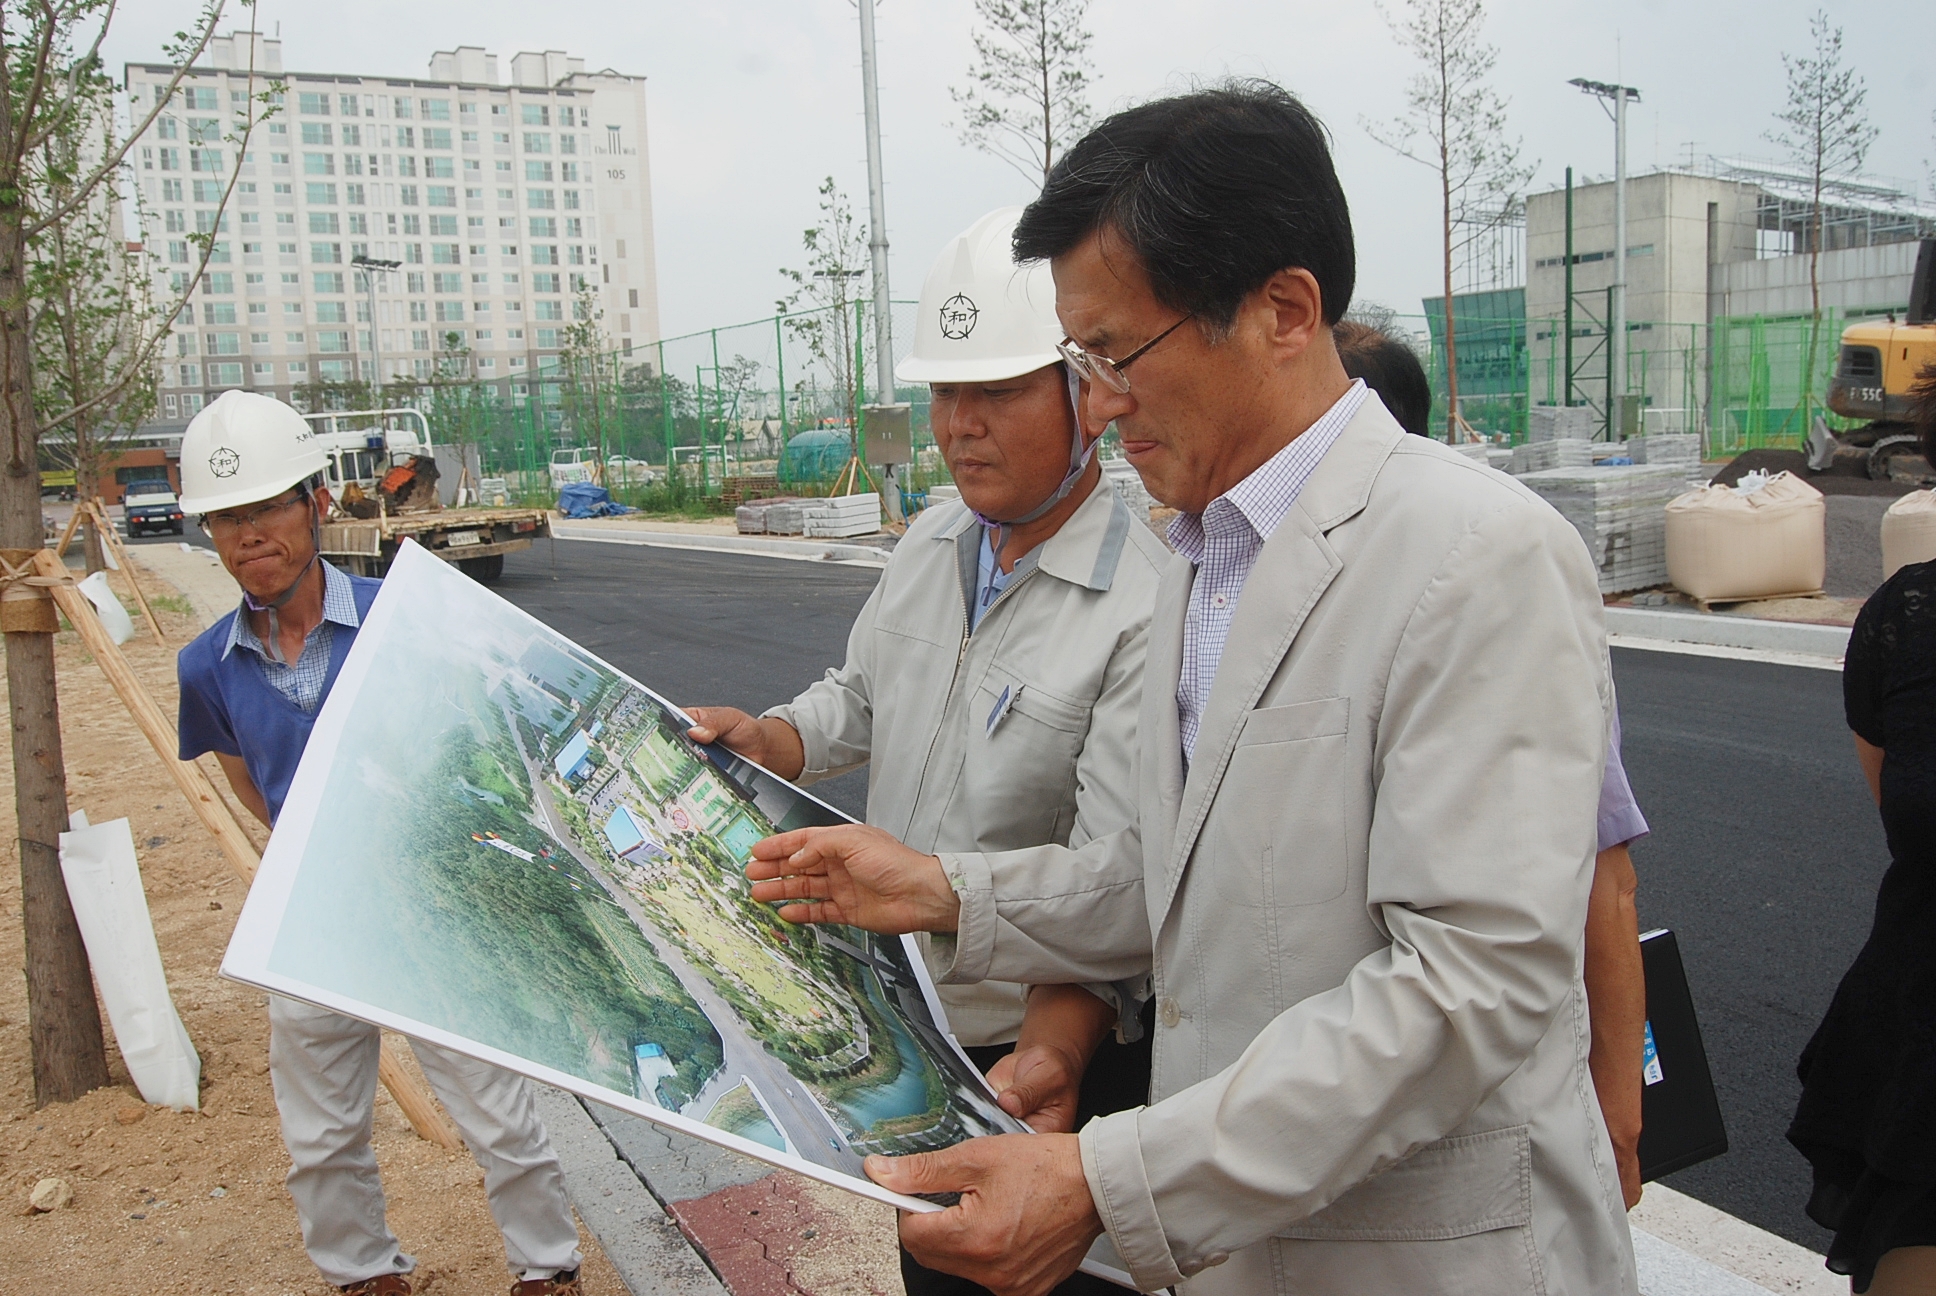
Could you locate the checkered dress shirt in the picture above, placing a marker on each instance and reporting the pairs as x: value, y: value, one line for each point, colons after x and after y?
x: 303, y: 682
x: 1223, y: 543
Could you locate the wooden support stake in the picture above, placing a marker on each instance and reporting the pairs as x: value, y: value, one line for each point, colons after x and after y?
x: 67, y: 536
x: 418, y: 1106
x: 109, y: 536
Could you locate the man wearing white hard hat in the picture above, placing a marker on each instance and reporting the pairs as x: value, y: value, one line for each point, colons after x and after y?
x: 992, y: 680
x: 251, y: 686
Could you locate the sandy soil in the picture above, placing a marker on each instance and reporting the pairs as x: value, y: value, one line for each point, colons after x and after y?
x: 168, y: 1202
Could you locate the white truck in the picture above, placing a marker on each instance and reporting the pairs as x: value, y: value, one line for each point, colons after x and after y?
x: 391, y: 482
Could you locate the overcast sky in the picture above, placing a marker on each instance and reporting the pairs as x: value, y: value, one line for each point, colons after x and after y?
x: 752, y: 102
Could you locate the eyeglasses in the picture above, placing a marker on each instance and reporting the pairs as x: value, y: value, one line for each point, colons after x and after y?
x: 220, y: 526
x: 1102, y: 369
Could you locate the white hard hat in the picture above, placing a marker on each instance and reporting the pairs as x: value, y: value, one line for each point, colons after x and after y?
x: 243, y: 448
x: 982, y: 317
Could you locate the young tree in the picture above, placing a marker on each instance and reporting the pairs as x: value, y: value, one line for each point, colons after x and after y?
x: 1027, y: 97
x: 821, y: 309
x: 1455, y: 124
x: 92, y: 309
x: 50, y: 72
x: 1824, y: 128
x: 587, y: 362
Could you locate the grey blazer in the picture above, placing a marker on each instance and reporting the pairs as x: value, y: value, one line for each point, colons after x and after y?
x: 1362, y: 908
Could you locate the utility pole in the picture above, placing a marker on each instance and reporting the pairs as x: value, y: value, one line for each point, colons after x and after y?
x: 1620, y: 96
x: 877, y: 234
x: 370, y: 268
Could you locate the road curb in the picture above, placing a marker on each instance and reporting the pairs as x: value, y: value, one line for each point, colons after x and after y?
x: 766, y: 546
x: 652, y: 1256
x: 1795, y: 637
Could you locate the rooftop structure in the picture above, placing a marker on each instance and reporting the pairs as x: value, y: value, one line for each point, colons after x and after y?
x: 499, y: 202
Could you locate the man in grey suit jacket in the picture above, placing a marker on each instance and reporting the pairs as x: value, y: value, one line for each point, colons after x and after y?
x: 1374, y: 719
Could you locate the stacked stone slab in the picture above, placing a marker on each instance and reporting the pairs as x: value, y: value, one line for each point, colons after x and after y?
x: 1681, y: 450
x: 1562, y: 452
x: 788, y: 517
x: 842, y: 516
x: 1561, y: 422
x: 1621, y: 513
x: 1473, y: 450
x: 751, y: 518
x: 1130, y: 486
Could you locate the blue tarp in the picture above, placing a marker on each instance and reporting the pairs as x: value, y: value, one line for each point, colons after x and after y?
x: 588, y: 500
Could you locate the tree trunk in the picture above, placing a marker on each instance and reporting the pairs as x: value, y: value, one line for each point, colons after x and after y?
x: 64, y: 1023
x: 1452, y: 423
x: 86, y: 486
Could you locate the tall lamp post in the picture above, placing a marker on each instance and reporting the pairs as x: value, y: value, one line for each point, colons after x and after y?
x: 370, y: 268
x: 1619, y: 96
x: 877, y: 237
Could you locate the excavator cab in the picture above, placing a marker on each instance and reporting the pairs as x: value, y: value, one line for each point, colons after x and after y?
x: 1878, y: 363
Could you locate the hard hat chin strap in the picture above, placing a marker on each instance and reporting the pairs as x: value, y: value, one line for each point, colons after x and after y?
x: 274, y: 605
x: 1081, y: 451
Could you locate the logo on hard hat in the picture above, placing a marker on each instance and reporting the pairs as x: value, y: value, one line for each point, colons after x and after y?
x: 958, y: 316
x: 224, y: 462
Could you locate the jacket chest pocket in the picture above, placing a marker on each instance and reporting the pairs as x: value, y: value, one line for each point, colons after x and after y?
x: 1019, y: 776
x: 1280, y: 826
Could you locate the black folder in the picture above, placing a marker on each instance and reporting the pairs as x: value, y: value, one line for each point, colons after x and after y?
x: 1680, y: 1117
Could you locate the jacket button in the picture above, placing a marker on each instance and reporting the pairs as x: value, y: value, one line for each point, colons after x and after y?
x: 1167, y: 1010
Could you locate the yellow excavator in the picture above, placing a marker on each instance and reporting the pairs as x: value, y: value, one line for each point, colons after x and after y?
x: 1878, y: 363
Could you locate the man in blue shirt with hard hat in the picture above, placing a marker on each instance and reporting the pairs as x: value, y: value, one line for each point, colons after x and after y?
x: 251, y: 686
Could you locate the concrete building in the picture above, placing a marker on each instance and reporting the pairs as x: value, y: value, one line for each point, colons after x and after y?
x: 1705, y: 249
x: 499, y: 201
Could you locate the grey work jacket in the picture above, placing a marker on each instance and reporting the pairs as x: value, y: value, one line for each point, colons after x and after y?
x: 1019, y: 734
x: 1362, y: 902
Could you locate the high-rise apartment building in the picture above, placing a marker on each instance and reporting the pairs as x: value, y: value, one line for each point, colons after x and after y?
x: 499, y: 202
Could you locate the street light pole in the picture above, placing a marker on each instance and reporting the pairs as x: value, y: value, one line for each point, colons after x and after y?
x: 876, y: 211
x: 1620, y: 96
x: 370, y: 268
x: 877, y: 240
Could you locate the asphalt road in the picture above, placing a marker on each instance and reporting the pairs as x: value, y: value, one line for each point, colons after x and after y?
x: 1765, y: 853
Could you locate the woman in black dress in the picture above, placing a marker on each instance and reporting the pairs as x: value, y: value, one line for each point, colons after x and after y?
x: 1867, y: 1118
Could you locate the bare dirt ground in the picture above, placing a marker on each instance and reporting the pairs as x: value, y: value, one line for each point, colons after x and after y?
x: 170, y: 1202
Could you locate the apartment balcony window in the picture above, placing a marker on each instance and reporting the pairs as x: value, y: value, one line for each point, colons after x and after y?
x: 319, y: 164
x: 225, y: 375
x: 333, y: 341
x: 440, y: 195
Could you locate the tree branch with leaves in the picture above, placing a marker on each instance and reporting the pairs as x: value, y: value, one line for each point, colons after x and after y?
x: 821, y: 308
x: 1824, y: 128
x: 1454, y: 123
x: 1027, y: 97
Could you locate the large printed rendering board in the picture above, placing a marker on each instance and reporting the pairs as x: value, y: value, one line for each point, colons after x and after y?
x: 499, y: 844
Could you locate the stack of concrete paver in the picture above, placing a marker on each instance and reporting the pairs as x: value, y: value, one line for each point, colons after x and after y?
x: 1500, y: 457
x: 1474, y: 450
x: 1621, y: 513
x: 751, y: 518
x: 1681, y: 450
x: 1562, y: 452
x: 785, y: 517
x: 1561, y: 422
x: 843, y: 515
x: 1129, y: 484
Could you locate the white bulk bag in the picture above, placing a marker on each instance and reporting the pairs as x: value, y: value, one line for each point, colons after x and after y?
x: 104, y: 885
x: 1909, y: 532
x: 114, y: 617
x: 1727, y: 544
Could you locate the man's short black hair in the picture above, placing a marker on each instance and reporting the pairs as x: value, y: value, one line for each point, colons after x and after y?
x: 1391, y: 369
x: 1214, y: 191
